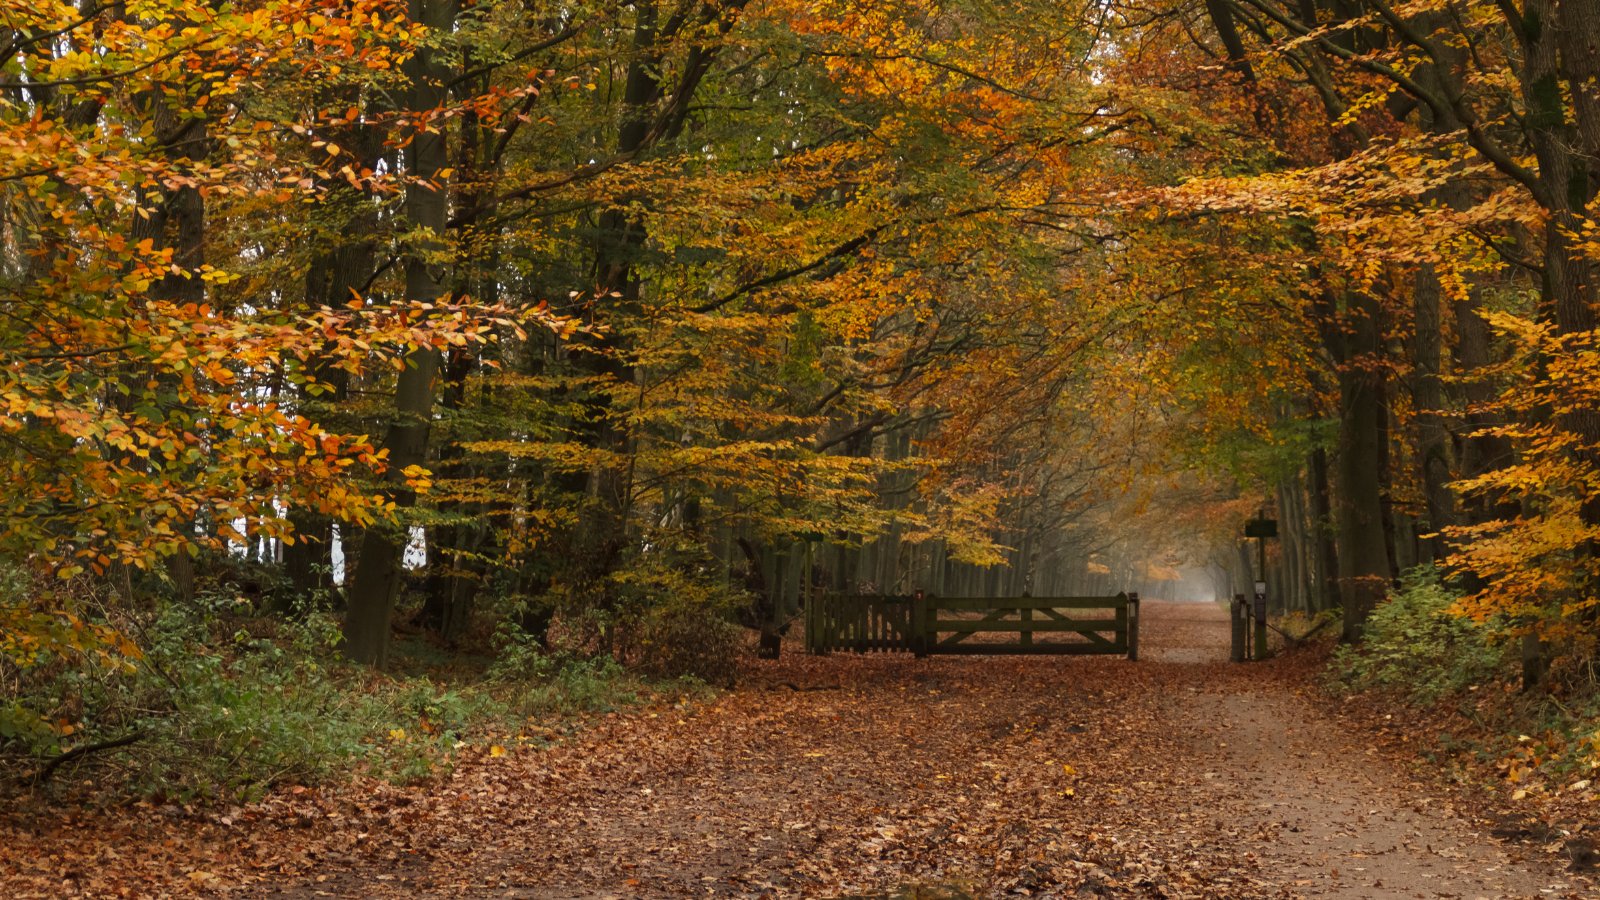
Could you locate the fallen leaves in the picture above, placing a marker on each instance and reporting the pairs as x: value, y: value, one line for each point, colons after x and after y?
x: 995, y: 777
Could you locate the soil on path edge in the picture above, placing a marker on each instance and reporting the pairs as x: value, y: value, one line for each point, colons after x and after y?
x: 1178, y: 776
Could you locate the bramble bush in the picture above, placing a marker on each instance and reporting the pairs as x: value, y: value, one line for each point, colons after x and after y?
x: 534, y: 681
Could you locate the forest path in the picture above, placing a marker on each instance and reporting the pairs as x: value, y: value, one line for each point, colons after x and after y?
x: 1178, y: 776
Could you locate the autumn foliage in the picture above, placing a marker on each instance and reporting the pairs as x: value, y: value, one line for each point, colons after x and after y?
x: 597, y: 327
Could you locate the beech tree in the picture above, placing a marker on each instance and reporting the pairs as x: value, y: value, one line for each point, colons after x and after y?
x: 826, y: 295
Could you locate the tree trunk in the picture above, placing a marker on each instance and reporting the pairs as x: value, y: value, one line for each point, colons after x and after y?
x: 1327, y: 550
x: 1364, y: 567
x: 1432, y: 437
x: 376, y: 586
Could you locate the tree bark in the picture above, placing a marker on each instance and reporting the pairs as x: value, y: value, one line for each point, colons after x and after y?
x: 1364, y: 567
x: 376, y: 586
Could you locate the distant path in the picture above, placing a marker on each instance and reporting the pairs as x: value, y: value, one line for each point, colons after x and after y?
x: 1178, y: 776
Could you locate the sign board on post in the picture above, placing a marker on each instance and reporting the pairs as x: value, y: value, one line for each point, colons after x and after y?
x: 1261, y: 528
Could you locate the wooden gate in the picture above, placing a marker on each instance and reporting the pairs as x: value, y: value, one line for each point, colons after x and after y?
x: 862, y: 623
x: 941, y: 625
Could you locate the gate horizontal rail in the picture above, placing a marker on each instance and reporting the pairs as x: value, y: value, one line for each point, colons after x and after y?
x: 945, y: 625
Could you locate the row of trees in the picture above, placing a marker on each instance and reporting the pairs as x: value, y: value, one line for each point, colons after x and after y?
x: 1437, y: 217
x: 588, y: 304
x: 608, y: 313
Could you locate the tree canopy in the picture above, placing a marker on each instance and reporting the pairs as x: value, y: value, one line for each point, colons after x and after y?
x: 606, y: 324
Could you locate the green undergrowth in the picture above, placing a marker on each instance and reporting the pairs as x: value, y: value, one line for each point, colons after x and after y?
x: 1457, y: 686
x: 1413, y: 646
x: 224, y: 705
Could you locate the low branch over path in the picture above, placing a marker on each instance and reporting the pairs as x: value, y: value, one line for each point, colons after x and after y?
x: 1179, y: 776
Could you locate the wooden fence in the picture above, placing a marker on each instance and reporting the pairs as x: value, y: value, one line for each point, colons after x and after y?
x: 945, y: 625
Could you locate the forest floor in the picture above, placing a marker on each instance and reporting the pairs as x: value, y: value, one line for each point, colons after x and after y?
x: 879, y: 776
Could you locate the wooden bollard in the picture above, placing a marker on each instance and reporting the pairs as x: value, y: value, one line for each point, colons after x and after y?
x: 1260, y: 611
x: 1236, y: 610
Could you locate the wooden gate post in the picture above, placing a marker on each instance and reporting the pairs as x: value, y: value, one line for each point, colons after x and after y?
x: 918, y: 636
x: 1133, y: 627
x: 1237, y: 628
x: 830, y: 623
x: 1120, y: 635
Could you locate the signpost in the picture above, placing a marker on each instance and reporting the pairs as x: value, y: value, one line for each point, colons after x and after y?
x: 1261, y: 528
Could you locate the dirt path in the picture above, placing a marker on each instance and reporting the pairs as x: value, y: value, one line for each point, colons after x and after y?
x: 1178, y: 776
x: 1336, y: 819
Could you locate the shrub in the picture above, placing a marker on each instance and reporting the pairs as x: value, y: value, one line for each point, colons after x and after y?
x: 666, y: 612
x: 537, y: 683
x: 53, y: 633
x: 1414, y: 644
x: 225, y: 706
x: 681, y: 619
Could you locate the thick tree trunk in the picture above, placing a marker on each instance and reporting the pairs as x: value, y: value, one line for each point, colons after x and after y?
x: 1431, y: 435
x: 1478, y: 452
x: 1364, y: 566
x: 454, y: 574
x: 376, y: 585
x: 1562, y: 63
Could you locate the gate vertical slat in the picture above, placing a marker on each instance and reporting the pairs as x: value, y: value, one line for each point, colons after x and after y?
x: 916, y: 610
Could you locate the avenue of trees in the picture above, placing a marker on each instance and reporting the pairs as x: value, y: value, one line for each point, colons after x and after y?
x: 609, y: 326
